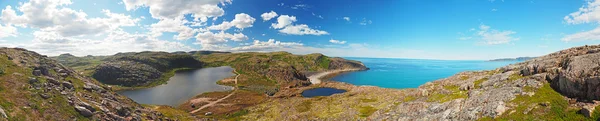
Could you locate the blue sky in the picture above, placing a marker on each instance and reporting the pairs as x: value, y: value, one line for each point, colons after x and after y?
x: 426, y: 29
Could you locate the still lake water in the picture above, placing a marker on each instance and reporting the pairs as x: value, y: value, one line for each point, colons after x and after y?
x: 324, y: 91
x: 182, y: 86
x: 411, y: 73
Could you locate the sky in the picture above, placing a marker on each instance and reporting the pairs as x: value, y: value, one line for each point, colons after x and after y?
x: 418, y: 29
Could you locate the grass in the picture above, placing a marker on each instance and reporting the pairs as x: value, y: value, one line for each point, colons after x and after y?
x: 366, y: 111
x: 409, y: 98
x: 514, y: 77
x: 304, y: 106
x: 171, y: 112
x: 366, y: 100
x: 237, y: 115
x: 464, y: 77
x: 557, y: 110
x: 478, y: 82
x: 455, y: 94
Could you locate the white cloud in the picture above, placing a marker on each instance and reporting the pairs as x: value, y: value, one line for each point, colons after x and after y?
x: 268, y: 15
x: 53, y: 16
x: 301, y: 29
x: 172, y: 25
x: 266, y: 46
x: 241, y: 21
x: 586, y: 14
x: 581, y: 36
x: 346, y: 18
x: 283, y: 21
x: 300, y: 6
x: 365, y: 21
x: 494, y: 37
x: 494, y: 10
x: 165, y: 9
x: 7, y: 31
x: 209, y: 40
x: 286, y: 26
x: 52, y: 43
x: 337, y: 41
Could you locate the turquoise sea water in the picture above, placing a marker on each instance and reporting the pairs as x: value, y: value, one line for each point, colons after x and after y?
x: 411, y: 73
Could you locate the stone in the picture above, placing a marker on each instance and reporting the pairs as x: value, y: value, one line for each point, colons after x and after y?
x: 33, y: 80
x: 545, y: 104
x: 2, y: 113
x: 208, y: 113
x: 53, y: 81
x: 587, y: 111
x: 67, y: 84
x: 86, y: 106
x: 37, y: 73
x: 83, y: 111
x: 45, y: 96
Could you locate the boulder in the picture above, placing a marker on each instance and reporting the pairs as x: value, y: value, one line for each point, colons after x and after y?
x: 37, y: 73
x: 83, y: 111
x: 86, y: 106
x: 587, y: 111
x: 67, y: 84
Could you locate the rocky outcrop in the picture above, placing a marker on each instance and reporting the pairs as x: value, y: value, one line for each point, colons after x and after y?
x: 340, y: 63
x: 126, y: 73
x: 139, y: 69
x: 574, y: 73
x: 40, y: 84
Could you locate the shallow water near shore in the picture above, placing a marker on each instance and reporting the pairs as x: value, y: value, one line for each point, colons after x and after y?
x: 182, y: 86
x: 411, y: 73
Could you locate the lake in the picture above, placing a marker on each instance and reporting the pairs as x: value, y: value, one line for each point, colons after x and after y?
x: 411, y: 73
x: 323, y: 91
x: 182, y: 86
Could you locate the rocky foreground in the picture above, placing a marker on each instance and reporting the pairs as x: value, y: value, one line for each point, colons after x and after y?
x: 34, y: 87
x: 559, y: 86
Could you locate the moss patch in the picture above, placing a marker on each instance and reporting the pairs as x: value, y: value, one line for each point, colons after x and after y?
x: 366, y: 111
x: 304, y: 106
x: 557, y: 110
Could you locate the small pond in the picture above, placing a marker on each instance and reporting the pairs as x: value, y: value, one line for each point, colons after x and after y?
x: 323, y: 91
x: 182, y: 86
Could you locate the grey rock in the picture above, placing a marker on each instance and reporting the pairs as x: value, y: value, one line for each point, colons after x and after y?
x: 67, y: 84
x: 587, y: 111
x: 2, y: 113
x: 37, y: 73
x: 83, y: 111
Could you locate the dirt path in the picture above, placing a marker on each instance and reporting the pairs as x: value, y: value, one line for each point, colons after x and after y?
x: 316, y: 78
x: 219, y: 100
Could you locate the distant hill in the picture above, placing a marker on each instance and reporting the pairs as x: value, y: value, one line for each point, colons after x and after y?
x: 513, y: 59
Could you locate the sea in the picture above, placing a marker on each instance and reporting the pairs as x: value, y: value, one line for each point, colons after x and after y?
x: 411, y: 73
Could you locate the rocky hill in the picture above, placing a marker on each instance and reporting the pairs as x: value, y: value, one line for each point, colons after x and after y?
x: 35, y: 87
x: 268, y: 72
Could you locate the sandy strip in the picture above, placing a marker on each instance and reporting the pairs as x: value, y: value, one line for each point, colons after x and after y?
x: 316, y: 78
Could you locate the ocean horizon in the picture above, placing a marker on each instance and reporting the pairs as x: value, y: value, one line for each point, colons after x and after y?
x: 400, y: 73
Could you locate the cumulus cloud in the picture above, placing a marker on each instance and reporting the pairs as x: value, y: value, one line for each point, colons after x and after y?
x: 7, y: 31
x: 337, y: 41
x: 581, y: 36
x: 302, y: 29
x: 52, y: 43
x: 586, y: 14
x: 270, y: 45
x: 210, y: 41
x: 172, y: 25
x: 283, y: 21
x: 241, y: 21
x: 589, y: 13
x: 286, y: 26
x: 164, y: 9
x: 53, y: 16
x: 268, y: 15
x: 494, y: 37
